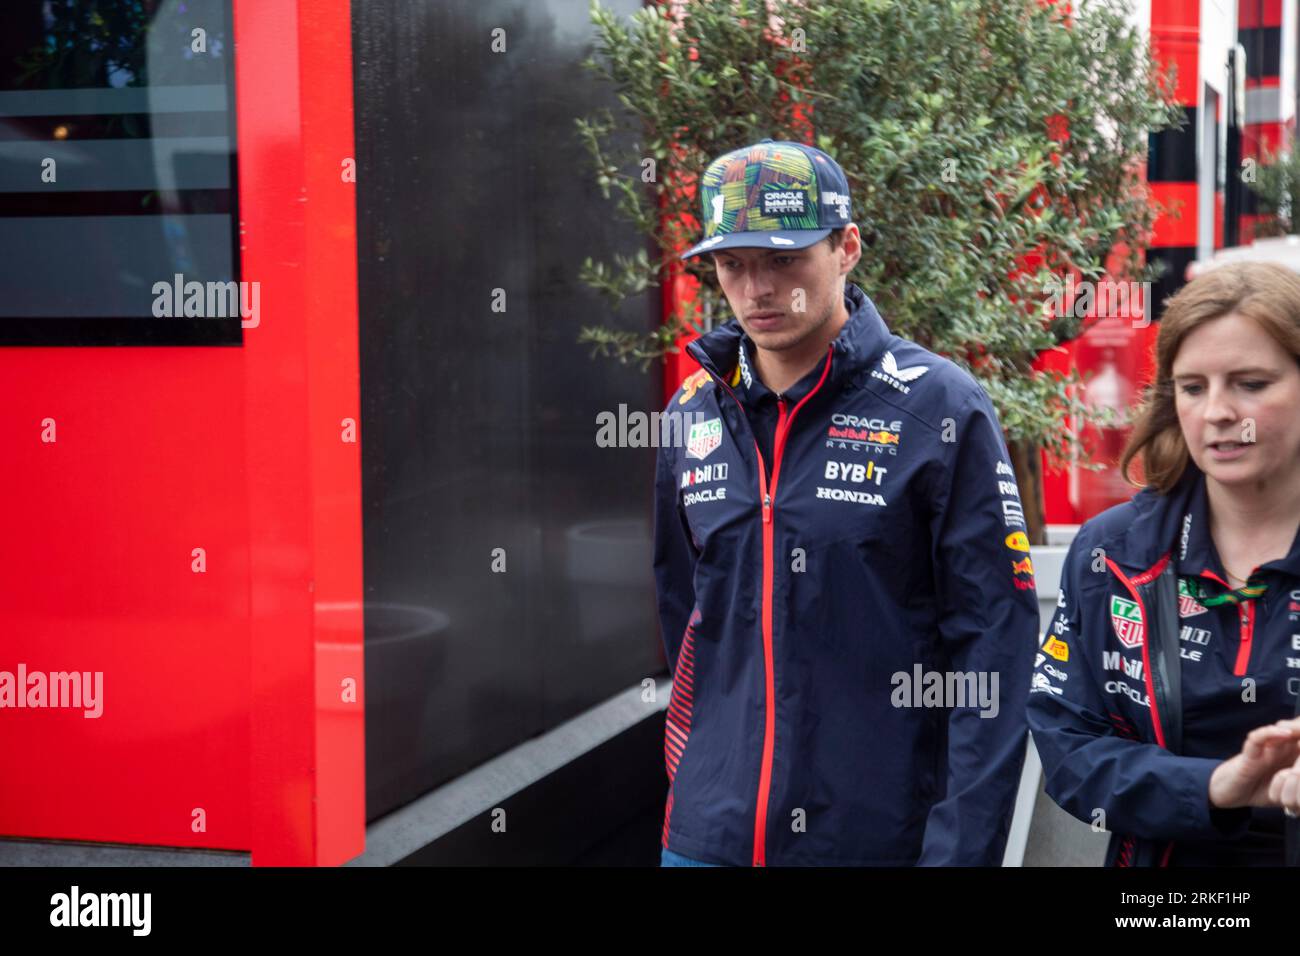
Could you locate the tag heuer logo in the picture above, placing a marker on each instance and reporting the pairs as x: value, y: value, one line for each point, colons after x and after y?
x: 704, y: 439
x: 783, y: 202
x: 1188, y: 592
x: 1127, y: 621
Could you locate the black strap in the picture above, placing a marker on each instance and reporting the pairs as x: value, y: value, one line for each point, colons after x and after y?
x: 1166, y: 663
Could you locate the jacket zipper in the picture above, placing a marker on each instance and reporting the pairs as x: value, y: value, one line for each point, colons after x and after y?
x: 769, y: 665
x: 769, y: 524
x: 767, y: 495
x: 1246, y: 624
x: 1247, y: 617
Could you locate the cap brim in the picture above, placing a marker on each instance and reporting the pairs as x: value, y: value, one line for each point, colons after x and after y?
x: 782, y: 239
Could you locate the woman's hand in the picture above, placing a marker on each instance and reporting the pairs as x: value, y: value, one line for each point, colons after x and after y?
x: 1284, y: 791
x: 1265, y: 773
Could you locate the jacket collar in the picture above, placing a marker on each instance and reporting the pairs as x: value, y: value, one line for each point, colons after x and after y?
x: 1178, y: 524
x: 1157, y: 529
x: 858, y: 345
x: 1195, y: 552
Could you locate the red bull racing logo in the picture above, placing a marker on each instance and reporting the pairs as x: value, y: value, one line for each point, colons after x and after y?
x: 864, y: 434
x: 692, y: 385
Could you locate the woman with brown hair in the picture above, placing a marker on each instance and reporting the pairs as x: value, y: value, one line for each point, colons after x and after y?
x: 1164, y: 698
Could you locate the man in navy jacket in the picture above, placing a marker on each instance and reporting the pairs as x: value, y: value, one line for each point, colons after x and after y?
x: 846, y: 598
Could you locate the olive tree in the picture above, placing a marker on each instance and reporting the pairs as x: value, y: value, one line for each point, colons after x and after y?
x: 991, y: 147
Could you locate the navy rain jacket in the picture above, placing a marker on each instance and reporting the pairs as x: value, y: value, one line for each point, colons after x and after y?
x: 1140, y: 690
x: 814, y: 596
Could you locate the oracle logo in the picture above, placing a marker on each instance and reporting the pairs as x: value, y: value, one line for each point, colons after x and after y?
x: 875, y: 424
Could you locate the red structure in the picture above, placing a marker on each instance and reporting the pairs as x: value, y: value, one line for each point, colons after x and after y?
x: 186, y: 520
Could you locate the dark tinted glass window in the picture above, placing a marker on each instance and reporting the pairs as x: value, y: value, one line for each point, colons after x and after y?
x: 118, y: 214
x: 480, y: 426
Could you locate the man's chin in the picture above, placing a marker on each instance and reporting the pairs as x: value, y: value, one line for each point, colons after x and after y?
x: 776, y: 340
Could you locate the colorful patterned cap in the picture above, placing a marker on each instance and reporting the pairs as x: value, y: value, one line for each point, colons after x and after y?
x: 772, y: 195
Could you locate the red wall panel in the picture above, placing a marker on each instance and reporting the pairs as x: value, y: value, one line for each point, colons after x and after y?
x: 224, y: 692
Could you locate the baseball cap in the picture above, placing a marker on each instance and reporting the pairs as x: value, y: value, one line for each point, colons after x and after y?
x: 774, y: 194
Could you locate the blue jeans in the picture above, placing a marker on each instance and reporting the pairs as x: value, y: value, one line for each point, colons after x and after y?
x: 669, y: 858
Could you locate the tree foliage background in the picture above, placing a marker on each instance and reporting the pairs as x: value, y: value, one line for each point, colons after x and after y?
x: 1276, y: 184
x: 974, y: 133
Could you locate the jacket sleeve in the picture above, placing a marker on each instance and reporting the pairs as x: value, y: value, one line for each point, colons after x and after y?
x: 674, y: 558
x: 988, y: 623
x: 1094, y: 765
